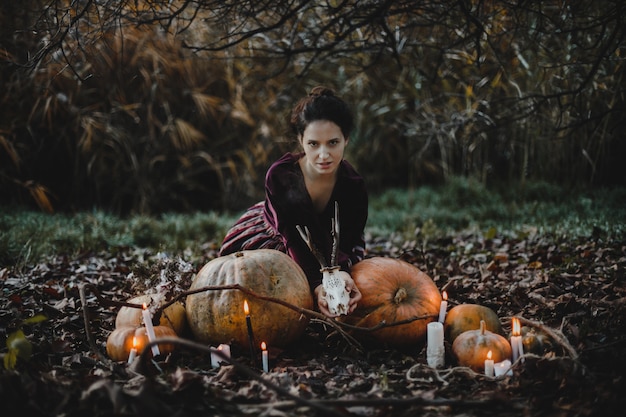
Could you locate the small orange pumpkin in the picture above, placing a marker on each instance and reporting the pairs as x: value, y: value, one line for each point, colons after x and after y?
x: 470, y: 348
x: 120, y: 341
x: 217, y: 316
x: 464, y: 317
x: 173, y: 316
x: 393, y: 290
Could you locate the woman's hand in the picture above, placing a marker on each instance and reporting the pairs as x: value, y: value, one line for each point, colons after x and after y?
x: 355, y: 295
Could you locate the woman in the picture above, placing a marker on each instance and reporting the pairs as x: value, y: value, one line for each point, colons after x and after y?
x: 301, y: 190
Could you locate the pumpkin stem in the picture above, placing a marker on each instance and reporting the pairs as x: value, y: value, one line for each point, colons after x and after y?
x: 483, y: 327
x: 400, y: 296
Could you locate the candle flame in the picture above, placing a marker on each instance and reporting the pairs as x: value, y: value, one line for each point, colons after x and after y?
x: 246, y: 309
x: 444, y: 295
x: 489, y: 355
x: 263, y: 346
x: 145, y: 306
x: 516, y: 327
x: 135, y: 342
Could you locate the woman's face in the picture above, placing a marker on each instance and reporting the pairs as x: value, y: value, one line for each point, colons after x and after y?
x: 323, y: 145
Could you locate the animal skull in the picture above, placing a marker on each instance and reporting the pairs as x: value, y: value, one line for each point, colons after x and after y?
x: 337, y: 296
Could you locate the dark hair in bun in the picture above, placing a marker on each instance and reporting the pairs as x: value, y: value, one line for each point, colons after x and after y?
x: 321, y: 104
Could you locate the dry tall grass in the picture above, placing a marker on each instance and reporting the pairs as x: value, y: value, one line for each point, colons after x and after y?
x: 136, y: 124
x: 152, y: 106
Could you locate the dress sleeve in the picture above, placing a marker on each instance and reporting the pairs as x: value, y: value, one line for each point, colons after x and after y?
x: 353, y: 212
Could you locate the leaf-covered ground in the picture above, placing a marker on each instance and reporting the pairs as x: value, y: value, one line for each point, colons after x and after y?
x: 575, y: 288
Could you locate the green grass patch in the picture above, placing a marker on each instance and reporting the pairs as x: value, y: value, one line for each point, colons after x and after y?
x: 467, y: 205
x: 27, y: 237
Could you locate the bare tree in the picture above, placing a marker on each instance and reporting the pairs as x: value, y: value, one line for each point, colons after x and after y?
x: 507, y: 89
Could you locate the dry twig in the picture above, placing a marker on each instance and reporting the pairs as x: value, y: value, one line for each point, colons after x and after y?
x: 142, y: 367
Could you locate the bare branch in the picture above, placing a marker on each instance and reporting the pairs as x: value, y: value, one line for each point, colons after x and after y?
x: 335, y: 234
x: 306, y: 236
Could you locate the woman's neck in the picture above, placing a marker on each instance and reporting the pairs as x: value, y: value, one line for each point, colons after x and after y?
x: 319, y: 187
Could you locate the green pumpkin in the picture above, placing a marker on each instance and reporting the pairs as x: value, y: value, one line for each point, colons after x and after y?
x: 535, y: 341
x: 217, y: 316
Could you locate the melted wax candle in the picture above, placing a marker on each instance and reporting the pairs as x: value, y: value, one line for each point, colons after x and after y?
x: 435, y: 350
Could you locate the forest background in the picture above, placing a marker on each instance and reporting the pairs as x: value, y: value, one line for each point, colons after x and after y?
x: 145, y: 107
x: 490, y: 134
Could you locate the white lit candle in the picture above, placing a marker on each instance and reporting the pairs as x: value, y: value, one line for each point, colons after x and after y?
x: 443, y: 308
x: 516, y: 340
x: 502, y: 368
x: 489, y: 365
x: 216, y: 359
x: 147, y: 321
x: 133, y: 351
x: 435, y: 350
x: 265, y: 357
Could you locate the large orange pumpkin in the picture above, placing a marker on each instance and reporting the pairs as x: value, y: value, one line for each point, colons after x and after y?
x: 393, y: 290
x: 217, y: 316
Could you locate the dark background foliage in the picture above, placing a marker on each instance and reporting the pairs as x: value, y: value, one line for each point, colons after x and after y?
x: 180, y: 106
